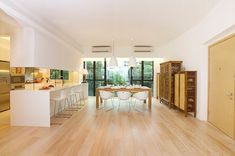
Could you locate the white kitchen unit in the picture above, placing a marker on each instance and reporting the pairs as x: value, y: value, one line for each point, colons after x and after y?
x: 34, y: 108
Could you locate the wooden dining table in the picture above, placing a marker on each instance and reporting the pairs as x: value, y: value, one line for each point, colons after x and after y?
x: 129, y: 89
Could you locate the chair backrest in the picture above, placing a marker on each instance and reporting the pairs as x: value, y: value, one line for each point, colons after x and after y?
x: 141, y: 95
x: 73, y: 90
x: 105, y: 95
x: 123, y: 95
x: 77, y: 89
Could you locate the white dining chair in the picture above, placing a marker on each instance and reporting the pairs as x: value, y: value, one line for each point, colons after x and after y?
x: 140, y: 96
x: 105, y: 96
x: 124, y: 96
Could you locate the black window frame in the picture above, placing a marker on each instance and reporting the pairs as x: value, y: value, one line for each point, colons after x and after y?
x: 142, y: 79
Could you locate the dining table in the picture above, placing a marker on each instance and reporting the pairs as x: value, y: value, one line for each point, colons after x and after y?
x: 128, y: 89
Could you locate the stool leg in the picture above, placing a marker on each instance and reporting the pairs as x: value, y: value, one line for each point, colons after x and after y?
x: 83, y: 99
x: 54, y: 109
x: 76, y: 101
x: 62, y: 107
x: 72, y: 102
x: 80, y: 99
x: 69, y: 105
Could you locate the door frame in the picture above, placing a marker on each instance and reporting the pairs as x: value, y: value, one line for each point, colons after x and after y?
x: 209, y: 76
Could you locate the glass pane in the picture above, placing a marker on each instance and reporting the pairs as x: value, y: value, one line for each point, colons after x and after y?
x: 65, y: 74
x: 148, y: 84
x: 90, y: 88
x: 99, y: 84
x: 89, y: 66
x: 55, y: 74
x: 136, y: 82
x: 148, y: 70
x: 136, y: 72
x: 99, y: 71
x: 118, y: 76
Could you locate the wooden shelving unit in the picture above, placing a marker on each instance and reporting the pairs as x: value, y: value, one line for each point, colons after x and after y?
x: 167, y: 72
x: 186, y: 91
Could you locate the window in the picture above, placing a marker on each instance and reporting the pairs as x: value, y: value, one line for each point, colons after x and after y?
x: 59, y: 74
x: 148, y: 73
x: 90, y: 77
x: 100, y: 74
x: 118, y: 76
x: 142, y: 74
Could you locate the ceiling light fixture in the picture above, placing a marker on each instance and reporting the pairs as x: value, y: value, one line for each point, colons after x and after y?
x: 132, y: 61
x: 113, y: 61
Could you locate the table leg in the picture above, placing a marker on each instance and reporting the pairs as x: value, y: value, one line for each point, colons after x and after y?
x: 97, y: 99
x: 150, y: 100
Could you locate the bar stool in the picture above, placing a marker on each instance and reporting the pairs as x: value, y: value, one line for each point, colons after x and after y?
x: 74, y: 106
x: 79, y: 94
x: 60, y: 105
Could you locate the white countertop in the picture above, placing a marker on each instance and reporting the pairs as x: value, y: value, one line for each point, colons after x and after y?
x: 29, y: 87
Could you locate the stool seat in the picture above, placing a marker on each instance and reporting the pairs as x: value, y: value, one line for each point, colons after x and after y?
x: 58, y: 98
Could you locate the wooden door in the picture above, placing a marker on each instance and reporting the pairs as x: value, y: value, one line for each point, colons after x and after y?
x: 221, y: 85
x: 177, y: 91
x: 182, y: 91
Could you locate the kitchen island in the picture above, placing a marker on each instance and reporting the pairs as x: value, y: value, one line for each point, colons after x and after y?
x: 34, y: 107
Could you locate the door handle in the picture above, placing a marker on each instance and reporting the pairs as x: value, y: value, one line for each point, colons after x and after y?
x: 229, y: 94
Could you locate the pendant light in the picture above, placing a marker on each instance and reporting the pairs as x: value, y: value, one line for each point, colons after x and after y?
x: 132, y: 59
x: 113, y: 61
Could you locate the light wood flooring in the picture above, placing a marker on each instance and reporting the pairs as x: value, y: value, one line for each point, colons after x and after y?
x: 162, y: 132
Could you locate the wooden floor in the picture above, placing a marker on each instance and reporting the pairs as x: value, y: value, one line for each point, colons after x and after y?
x: 110, y: 133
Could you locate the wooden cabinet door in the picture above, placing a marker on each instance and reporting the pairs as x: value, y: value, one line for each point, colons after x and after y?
x: 182, y: 91
x: 161, y: 83
x: 158, y: 85
x: 177, y: 90
x: 221, y: 85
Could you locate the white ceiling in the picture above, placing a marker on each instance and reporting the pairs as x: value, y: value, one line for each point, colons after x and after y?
x: 96, y: 22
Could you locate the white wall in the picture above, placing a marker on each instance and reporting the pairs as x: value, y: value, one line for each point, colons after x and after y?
x: 33, y: 48
x: 22, y: 48
x: 192, y: 47
x: 4, y: 50
x: 119, y: 51
x: 52, y: 53
x: 34, y: 45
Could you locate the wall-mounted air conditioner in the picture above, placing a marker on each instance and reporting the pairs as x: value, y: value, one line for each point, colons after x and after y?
x: 143, y: 48
x: 97, y: 49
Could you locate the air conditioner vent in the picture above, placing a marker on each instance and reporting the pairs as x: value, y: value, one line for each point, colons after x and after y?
x: 98, y: 49
x: 143, y: 48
